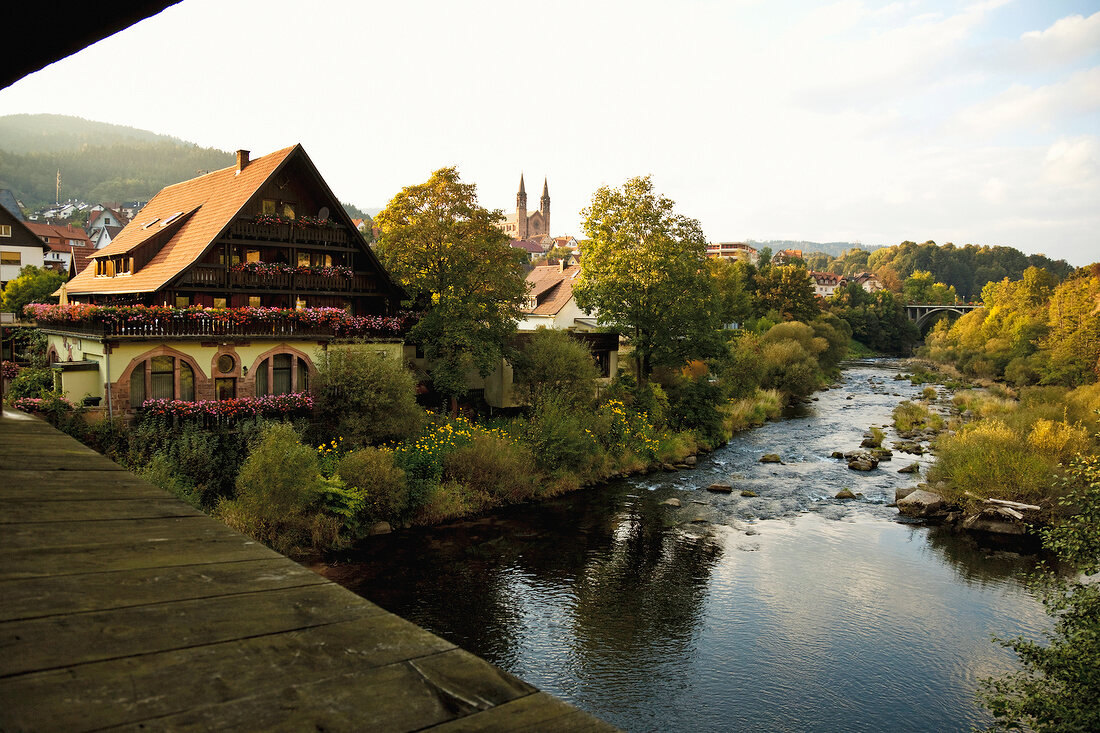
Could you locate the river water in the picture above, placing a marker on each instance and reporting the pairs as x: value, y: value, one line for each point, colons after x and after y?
x: 788, y: 611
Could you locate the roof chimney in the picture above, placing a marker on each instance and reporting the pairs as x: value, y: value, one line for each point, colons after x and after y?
x: 242, y: 160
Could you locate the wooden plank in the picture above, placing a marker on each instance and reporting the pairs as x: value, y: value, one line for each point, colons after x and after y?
x: 57, y: 460
x: 388, y: 699
x: 32, y: 511
x: 537, y: 712
x: 134, y: 689
x: 72, y: 485
x: 55, y: 641
x: 111, y: 532
x: 132, y: 554
x: 47, y: 596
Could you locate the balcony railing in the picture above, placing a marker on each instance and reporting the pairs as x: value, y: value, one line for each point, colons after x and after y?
x: 217, y: 276
x: 244, y: 229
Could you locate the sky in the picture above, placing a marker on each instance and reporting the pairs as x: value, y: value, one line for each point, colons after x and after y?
x: 873, y: 122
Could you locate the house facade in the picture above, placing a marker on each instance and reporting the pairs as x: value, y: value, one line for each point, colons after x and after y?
x: 224, y: 286
x: 733, y: 251
x: 19, y: 247
x: 69, y: 246
x: 826, y: 283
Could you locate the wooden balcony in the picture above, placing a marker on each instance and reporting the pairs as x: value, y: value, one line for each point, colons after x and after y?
x: 217, y: 276
x: 246, y: 229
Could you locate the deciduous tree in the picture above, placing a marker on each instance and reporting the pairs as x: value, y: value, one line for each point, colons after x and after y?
x: 644, y: 273
x: 448, y: 253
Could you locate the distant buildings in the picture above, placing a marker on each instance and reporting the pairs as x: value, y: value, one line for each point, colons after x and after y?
x: 826, y: 283
x: 522, y: 225
x: 733, y: 251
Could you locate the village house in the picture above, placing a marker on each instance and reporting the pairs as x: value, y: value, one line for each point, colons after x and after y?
x: 19, y: 246
x: 785, y: 256
x: 227, y: 285
x: 104, y: 224
x: 826, y: 283
x: 69, y: 246
x: 868, y: 282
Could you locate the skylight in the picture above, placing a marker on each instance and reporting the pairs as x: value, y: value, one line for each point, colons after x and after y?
x: 171, y: 219
x: 150, y: 223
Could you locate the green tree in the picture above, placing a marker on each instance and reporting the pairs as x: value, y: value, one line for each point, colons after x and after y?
x: 448, y: 253
x: 921, y: 287
x: 1059, y: 684
x: 33, y: 285
x: 644, y: 273
x: 787, y: 290
x: 734, y: 282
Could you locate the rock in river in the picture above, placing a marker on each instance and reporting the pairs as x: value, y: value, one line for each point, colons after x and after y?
x: 863, y: 462
x: 771, y: 458
x: 720, y: 488
x: 671, y: 502
x: 921, y: 503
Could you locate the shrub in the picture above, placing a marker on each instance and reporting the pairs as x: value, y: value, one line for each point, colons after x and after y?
x: 382, y: 484
x: 928, y: 393
x: 365, y: 397
x: 554, y: 365
x: 789, y: 367
x: 742, y: 373
x: 446, y: 501
x: 278, y: 494
x: 31, y: 381
x: 693, y: 405
x: 991, y: 460
x: 1058, y: 441
x: 559, y: 438
x: 764, y: 405
x: 493, y: 467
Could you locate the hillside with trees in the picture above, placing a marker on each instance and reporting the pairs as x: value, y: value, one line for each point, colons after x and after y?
x: 98, y: 161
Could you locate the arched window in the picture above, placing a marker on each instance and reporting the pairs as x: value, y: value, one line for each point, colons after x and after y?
x: 277, y: 375
x: 155, y: 378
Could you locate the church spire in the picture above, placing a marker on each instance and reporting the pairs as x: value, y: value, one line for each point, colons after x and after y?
x: 521, y: 210
x: 544, y: 206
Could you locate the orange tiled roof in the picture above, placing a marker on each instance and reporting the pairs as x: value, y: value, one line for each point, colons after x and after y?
x: 58, y: 235
x: 552, y: 287
x: 215, y: 200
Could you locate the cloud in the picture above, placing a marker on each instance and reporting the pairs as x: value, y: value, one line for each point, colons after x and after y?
x: 1038, y: 108
x: 1067, y: 40
x: 1073, y: 162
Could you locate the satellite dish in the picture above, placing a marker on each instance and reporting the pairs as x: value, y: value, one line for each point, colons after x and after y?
x: 323, y: 213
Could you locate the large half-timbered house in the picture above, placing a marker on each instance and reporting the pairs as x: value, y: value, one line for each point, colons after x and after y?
x: 226, y: 285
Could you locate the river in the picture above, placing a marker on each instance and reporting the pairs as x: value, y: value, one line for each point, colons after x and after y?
x: 788, y: 611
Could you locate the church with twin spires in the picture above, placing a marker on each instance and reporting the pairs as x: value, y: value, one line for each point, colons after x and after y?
x: 522, y: 225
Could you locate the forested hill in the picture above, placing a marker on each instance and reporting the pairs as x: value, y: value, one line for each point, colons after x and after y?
x: 56, y: 133
x: 98, y: 161
x: 968, y: 268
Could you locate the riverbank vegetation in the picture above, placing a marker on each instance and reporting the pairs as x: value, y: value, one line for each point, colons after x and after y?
x: 1030, y: 433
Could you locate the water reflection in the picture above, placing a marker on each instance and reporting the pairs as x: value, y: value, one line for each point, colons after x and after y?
x: 772, y: 615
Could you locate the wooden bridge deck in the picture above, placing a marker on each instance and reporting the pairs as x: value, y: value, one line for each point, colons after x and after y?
x: 122, y: 607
